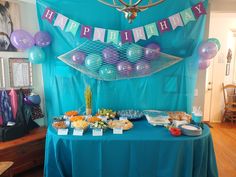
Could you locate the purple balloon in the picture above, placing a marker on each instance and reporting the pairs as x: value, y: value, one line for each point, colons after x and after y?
x: 22, y: 40
x: 204, y: 64
x: 152, y: 51
x: 110, y: 55
x: 124, y: 68
x: 78, y: 57
x: 208, y: 50
x: 142, y: 68
x: 42, y: 38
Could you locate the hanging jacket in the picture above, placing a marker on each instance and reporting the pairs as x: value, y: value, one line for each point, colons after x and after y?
x: 6, y: 108
x: 24, y: 113
x: 14, y: 102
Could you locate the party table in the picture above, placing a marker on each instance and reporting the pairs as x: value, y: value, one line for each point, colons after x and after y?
x: 144, y: 151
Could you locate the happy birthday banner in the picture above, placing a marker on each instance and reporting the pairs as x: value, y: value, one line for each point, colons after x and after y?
x: 134, y: 35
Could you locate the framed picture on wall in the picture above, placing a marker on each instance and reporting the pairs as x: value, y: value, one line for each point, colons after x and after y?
x: 20, y: 72
x: 2, y: 84
x: 9, y: 21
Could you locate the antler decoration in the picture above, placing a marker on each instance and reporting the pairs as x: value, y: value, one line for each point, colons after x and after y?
x: 131, y: 10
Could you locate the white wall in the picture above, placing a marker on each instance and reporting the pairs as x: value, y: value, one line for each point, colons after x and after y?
x: 29, y: 22
x: 221, y: 26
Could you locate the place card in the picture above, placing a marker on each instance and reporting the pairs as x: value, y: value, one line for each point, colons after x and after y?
x: 78, y: 132
x: 123, y: 118
x: 62, y: 131
x: 118, y: 131
x: 97, y: 132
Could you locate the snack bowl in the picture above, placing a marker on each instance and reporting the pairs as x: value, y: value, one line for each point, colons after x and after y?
x: 80, y: 124
x: 71, y: 113
x: 60, y: 125
x: 94, y: 119
x: 59, y: 119
x: 76, y: 118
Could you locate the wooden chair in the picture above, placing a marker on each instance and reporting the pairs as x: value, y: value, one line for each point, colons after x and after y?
x: 5, y: 169
x: 229, y: 92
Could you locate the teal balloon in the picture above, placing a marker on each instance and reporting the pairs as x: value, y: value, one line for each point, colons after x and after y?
x: 107, y: 72
x: 134, y: 53
x: 93, y: 62
x: 216, y: 41
x: 36, y: 55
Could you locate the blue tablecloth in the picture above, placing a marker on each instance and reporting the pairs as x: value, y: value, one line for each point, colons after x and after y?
x: 144, y: 151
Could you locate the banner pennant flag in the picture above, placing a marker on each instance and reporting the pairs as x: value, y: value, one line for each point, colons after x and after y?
x: 113, y: 36
x: 72, y: 27
x: 175, y: 21
x: 198, y: 10
x: 49, y: 14
x: 151, y: 30
x: 86, y: 32
x: 139, y: 34
x: 163, y: 25
x: 60, y: 21
x: 99, y: 34
x: 126, y: 36
x: 187, y: 16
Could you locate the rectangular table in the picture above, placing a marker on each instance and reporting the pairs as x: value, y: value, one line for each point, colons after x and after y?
x: 144, y: 151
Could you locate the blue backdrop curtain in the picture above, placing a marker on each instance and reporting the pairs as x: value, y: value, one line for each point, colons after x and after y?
x: 169, y: 89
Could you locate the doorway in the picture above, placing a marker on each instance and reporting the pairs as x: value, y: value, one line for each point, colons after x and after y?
x: 222, y: 26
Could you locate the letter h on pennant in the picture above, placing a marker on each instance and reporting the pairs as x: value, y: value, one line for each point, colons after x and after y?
x: 49, y: 14
x: 163, y: 25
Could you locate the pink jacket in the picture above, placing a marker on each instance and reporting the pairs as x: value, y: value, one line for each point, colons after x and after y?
x: 14, y: 102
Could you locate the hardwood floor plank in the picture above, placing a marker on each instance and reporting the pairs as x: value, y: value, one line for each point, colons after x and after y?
x: 224, y: 139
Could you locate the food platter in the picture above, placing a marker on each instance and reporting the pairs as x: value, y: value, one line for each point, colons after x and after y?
x: 155, y: 117
x: 124, y: 124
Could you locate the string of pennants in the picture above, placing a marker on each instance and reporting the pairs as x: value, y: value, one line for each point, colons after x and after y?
x: 134, y: 35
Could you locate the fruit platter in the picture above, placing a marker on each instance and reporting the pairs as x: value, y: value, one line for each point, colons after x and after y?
x: 108, y: 113
x: 99, y: 125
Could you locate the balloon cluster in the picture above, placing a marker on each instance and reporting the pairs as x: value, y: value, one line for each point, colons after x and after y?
x: 111, y: 63
x: 23, y: 40
x: 208, y: 50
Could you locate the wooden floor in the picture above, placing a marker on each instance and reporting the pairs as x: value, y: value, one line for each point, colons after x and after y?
x: 224, y: 139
